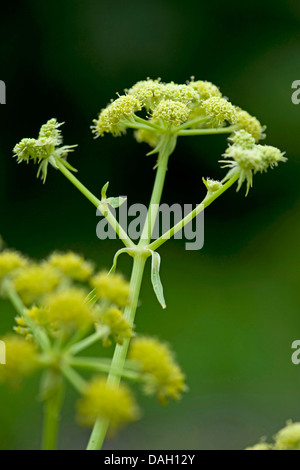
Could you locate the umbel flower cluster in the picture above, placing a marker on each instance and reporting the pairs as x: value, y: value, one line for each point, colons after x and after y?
x: 196, y: 105
x: 288, y: 438
x: 64, y: 306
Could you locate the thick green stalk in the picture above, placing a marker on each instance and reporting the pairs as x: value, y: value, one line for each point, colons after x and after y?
x: 52, y: 406
x: 139, y: 260
x: 217, y: 130
x: 163, y: 158
x: 118, y: 361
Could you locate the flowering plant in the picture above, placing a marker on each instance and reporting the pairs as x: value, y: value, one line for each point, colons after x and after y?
x: 64, y: 306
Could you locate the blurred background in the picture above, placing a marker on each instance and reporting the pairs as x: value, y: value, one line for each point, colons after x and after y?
x: 233, y: 307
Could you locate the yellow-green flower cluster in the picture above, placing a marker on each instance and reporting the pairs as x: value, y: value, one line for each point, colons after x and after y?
x: 212, y: 185
x: 35, y: 280
x: 248, y: 158
x: 205, y: 89
x: 219, y: 110
x: 115, y: 118
x: 72, y: 265
x: 287, y: 438
x: 250, y: 124
x: 171, y: 112
x: 118, y: 327
x: 44, y: 149
x: 110, y: 402
x: 67, y: 311
x: 163, y: 376
x: 199, y: 103
x: 111, y: 287
x: 21, y: 359
x: 10, y: 261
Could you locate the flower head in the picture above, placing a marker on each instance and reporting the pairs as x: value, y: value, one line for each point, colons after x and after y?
x: 67, y: 311
x: 115, y: 117
x: 219, y: 110
x: 171, y: 112
x: 110, y: 402
x: 181, y: 93
x: 250, y: 124
x: 51, y: 132
x: 288, y: 438
x: 45, y: 149
x: 163, y: 376
x: 10, y: 261
x: 205, y: 89
x: 118, y: 326
x: 212, y: 185
x: 21, y: 359
x: 35, y: 280
x: 72, y: 265
x: 111, y: 287
x: 148, y: 92
x: 247, y: 158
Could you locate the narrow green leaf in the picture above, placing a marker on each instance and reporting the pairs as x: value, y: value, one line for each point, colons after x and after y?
x: 104, y: 189
x: 119, y: 252
x: 155, y: 278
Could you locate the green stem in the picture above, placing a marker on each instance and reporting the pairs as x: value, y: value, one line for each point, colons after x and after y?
x: 101, y: 332
x: 74, y: 378
x: 96, y: 202
x: 51, y: 418
x: 163, y: 158
x: 39, y: 334
x: 95, y: 364
x: 139, y: 260
x: 218, y: 130
x: 119, y: 357
x: 193, y: 122
x: 205, y: 203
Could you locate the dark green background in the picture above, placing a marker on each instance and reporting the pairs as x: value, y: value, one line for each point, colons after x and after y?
x: 233, y: 307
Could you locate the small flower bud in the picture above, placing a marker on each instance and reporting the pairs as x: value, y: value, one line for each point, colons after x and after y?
x: 67, y: 311
x: 119, y: 328
x: 10, y: 261
x: 220, y: 110
x: 113, y: 118
x: 148, y: 92
x: 250, y: 124
x: 111, y: 287
x: 21, y: 360
x: 163, y: 376
x: 110, y: 402
x: 205, y: 89
x: 171, y: 112
x: 249, y: 158
x: 212, y: 185
x: 72, y: 265
x: 35, y: 280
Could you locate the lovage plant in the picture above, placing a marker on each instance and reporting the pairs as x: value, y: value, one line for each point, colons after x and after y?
x: 64, y: 306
